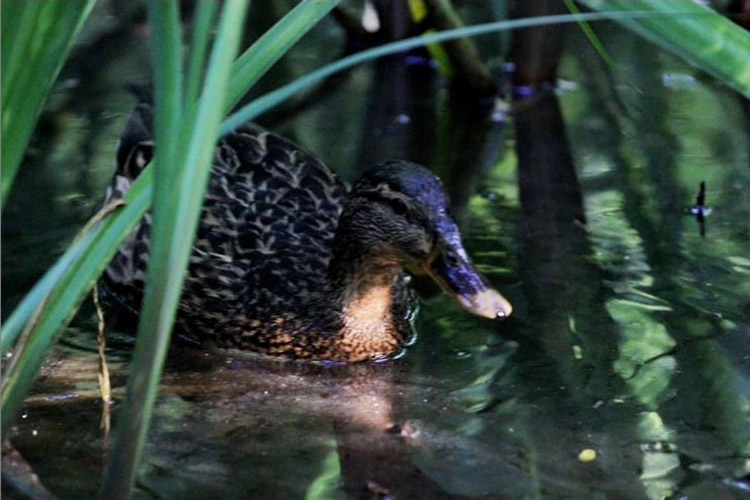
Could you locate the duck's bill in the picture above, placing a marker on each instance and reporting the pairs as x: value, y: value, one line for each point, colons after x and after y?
x: 458, y: 277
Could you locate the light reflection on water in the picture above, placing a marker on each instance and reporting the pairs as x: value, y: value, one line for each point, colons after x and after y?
x: 630, y: 335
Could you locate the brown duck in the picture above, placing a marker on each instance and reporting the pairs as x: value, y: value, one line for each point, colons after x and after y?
x: 286, y: 262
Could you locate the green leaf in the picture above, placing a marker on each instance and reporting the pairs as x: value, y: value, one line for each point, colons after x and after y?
x: 204, y: 15
x: 178, y: 198
x: 268, y: 101
x: 67, y: 294
x: 37, y: 37
x: 37, y: 295
x: 692, y: 31
x: 274, y: 43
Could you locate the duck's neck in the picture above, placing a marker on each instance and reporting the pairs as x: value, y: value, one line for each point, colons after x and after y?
x: 361, y: 286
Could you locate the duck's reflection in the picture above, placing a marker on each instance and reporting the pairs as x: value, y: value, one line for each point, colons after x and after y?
x: 266, y: 406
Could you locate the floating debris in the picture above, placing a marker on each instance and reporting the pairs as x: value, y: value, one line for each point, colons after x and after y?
x: 587, y: 455
x: 577, y: 352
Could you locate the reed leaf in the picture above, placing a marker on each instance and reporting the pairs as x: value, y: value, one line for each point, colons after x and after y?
x: 20, y: 316
x: 204, y: 16
x: 274, y: 43
x: 63, y: 299
x: 37, y: 37
x: 178, y: 198
x: 268, y: 101
x: 589, y: 33
x: 692, y: 31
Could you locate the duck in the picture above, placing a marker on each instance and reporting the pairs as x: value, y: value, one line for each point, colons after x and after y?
x: 289, y: 262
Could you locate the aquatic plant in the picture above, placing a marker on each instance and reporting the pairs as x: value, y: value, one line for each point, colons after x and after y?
x: 37, y: 37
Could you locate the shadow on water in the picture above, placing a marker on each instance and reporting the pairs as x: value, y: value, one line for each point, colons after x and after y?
x: 629, y: 336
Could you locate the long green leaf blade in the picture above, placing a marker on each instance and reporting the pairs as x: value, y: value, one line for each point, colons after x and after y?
x: 274, y: 43
x: 166, y: 61
x: 268, y: 101
x: 204, y: 16
x: 68, y: 293
x: 37, y: 37
x: 179, y: 191
x: 692, y: 31
x: 15, y: 323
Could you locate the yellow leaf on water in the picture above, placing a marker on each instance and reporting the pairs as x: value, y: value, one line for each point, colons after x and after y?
x: 587, y: 455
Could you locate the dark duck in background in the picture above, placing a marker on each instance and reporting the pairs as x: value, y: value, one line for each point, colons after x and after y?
x: 286, y: 262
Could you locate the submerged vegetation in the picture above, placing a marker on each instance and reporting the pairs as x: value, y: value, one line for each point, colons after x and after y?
x: 203, y: 97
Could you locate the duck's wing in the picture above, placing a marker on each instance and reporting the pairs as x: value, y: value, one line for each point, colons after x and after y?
x: 269, y: 218
x: 266, y: 230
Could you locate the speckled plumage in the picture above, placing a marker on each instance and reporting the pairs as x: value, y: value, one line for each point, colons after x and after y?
x: 287, y: 262
x: 258, y: 275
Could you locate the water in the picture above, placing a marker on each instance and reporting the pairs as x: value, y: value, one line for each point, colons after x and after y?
x: 631, y: 323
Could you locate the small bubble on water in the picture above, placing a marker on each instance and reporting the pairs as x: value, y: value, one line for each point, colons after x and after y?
x: 34, y: 432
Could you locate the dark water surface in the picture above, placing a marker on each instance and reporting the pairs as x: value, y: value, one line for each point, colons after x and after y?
x: 631, y: 330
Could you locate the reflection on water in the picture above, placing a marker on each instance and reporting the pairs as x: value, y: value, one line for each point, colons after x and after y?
x: 630, y: 335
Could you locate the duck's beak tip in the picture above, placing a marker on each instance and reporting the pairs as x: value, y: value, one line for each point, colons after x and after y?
x: 487, y: 303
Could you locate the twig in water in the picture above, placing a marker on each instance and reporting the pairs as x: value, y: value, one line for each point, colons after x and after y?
x: 103, y: 372
x: 34, y: 319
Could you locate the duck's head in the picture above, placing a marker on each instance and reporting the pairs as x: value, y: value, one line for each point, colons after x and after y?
x: 397, y: 214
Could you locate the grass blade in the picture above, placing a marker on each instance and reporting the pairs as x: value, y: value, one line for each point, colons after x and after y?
x: 166, y: 61
x: 692, y: 31
x: 267, y: 101
x: 37, y: 37
x: 274, y: 43
x: 68, y: 293
x: 16, y: 322
x: 178, y: 198
x: 589, y: 33
x: 204, y: 16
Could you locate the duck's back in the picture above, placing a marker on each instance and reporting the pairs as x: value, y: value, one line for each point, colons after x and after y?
x: 264, y: 240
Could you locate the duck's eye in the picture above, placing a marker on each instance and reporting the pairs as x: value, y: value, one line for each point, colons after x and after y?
x: 398, y: 206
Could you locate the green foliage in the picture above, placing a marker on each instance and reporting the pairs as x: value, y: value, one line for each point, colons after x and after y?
x: 264, y: 53
x: 180, y: 179
x: 327, y: 484
x: 588, y: 31
x: 37, y: 37
x: 693, y: 31
x: 60, y: 299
